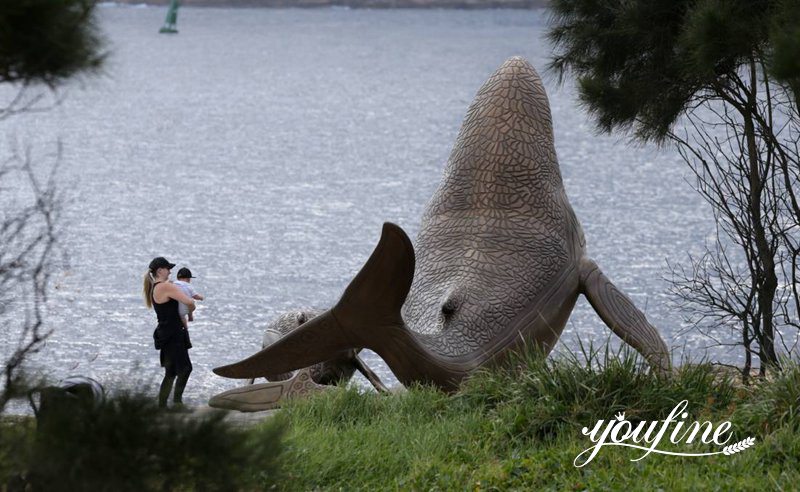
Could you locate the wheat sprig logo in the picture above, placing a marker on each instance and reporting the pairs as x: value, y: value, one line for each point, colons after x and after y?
x: 739, y: 446
x: 646, y: 436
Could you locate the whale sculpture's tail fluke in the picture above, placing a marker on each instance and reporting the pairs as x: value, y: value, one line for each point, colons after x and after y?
x: 302, y: 348
x: 379, y: 290
x: 366, y: 316
x: 624, y: 319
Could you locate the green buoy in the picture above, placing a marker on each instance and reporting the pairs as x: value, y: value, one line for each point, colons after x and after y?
x: 170, y: 23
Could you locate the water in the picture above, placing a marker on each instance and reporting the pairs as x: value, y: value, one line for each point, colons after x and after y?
x: 265, y: 148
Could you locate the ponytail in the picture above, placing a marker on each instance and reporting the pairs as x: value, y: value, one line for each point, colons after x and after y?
x: 147, y: 289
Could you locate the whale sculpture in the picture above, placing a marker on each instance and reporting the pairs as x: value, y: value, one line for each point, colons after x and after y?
x: 500, y: 261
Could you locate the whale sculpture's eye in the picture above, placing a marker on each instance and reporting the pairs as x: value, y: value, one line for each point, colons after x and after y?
x: 449, y: 308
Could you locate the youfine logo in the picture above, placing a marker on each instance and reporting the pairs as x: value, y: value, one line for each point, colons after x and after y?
x: 647, y: 436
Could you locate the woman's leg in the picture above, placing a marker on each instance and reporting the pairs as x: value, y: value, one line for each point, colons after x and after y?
x: 180, y: 385
x: 168, y: 363
x: 166, y: 387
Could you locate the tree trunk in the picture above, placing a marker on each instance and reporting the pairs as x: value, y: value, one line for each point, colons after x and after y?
x: 766, y: 278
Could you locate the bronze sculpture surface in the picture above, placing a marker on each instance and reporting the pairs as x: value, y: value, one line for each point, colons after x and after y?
x: 499, y: 262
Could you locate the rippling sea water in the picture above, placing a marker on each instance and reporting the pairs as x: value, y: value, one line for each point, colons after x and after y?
x: 265, y: 148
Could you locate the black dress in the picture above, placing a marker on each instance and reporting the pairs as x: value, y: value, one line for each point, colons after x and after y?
x: 170, y: 338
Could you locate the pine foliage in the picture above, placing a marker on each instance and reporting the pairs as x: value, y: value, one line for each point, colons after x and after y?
x: 641, y: 64
x: 48, y: 40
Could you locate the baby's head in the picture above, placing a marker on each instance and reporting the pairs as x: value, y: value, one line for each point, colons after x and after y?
x: 185, y: 274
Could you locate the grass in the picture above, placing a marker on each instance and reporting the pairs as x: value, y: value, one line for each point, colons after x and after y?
x: 518, y: 428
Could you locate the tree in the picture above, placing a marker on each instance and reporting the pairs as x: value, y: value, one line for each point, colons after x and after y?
x: 43, y: 43
x: 718, y: 79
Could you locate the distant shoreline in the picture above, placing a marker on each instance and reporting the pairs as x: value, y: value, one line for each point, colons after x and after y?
x: 355, y: 4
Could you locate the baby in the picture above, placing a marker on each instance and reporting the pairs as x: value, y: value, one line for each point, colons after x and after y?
x: 184, y: 282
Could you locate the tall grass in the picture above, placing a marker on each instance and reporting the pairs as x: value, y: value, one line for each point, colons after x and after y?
x: 517, y: 426
x: 540, y: 397
x: 773, y: 403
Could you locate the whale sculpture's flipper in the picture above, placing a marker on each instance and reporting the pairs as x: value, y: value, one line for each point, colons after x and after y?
x: 266, y: 396
x: 369, y: 305
x: 373, y: 378
x: 624, y: 319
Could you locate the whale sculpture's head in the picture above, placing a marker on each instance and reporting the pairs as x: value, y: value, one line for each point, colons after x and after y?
x: 495, y: 232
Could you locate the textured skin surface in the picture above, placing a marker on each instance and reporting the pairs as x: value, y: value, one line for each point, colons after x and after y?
x: 267, y: 396
x: 495, y: 233
x: 499, y: 262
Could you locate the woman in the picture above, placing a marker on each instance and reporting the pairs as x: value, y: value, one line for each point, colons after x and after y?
x: 163, y: 296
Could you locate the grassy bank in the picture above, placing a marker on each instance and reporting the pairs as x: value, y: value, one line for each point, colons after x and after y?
x: 512, y: 428
x: 520, y: 428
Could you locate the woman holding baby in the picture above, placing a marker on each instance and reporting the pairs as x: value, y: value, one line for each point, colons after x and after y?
x: 170, y: 336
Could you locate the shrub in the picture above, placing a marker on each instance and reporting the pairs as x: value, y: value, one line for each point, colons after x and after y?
x: 128, y: 444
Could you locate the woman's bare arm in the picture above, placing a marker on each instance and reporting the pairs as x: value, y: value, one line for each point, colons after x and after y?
x: 175, y: 292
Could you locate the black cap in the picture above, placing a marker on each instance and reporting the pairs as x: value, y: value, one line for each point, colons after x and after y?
x: 184, y: 273
x: 160, y: 262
